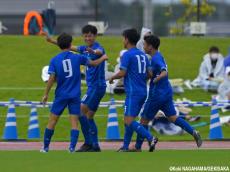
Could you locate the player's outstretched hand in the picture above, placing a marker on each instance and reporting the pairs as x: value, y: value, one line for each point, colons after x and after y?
x: 111, y: 80
x: 90, y: 50
x: 48, y: 38
x: 44, y: 99
x: 44, y: 34
x: 105, y: 57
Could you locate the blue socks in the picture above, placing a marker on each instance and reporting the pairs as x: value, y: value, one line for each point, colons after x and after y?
x: 141, y: 130
x: 127, y: 136
x: 47, y: 138
x: 184, y: 125
x: 73, y: 139
x: 93, y: 132
x: 140, y: 139
x: 85, y: 129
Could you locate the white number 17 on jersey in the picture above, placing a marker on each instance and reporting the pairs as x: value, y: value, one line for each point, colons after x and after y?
x: 67, y: 66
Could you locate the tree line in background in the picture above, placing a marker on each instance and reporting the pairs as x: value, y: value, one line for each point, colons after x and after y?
x: 169, y: 19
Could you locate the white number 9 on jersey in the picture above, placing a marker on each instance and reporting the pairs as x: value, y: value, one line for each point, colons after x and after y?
x: 67, y: 66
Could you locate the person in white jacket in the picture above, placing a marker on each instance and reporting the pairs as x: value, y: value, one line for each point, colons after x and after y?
x: 140, y: 43
x: 211, y: 72
x: 224, y: 88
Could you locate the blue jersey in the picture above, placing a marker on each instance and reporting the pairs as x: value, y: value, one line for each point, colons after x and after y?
x: 95, y: 76
x: 136, y: 64
x: 162, y: 87
x: 66, y: 67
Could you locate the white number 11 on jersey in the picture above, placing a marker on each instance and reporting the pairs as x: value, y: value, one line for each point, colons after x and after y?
x: 67, y: 66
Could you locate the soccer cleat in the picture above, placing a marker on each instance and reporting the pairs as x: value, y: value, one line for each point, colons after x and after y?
x: 152, y: 144
x: 85, y: 148
x: 197, y: 138
x: 44, y: 150
x: 95, y: 149
x: 122, y: 149
x: 134, y: 150
x: 71, y: 150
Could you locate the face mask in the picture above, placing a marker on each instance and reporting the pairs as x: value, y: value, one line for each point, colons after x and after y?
x: 214, y: 56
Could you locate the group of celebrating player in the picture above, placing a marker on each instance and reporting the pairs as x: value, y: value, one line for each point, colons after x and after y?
x: 136, y: 69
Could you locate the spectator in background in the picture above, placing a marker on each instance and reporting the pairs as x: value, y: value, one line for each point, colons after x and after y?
x: 118, y: 86
x: 211, y: 72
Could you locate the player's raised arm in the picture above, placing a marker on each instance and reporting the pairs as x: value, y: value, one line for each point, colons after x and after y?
x: 98, y: 61
x: 49, y: 39
x: 54, y: 41
x: 98, y: 52
x: 74, y: 48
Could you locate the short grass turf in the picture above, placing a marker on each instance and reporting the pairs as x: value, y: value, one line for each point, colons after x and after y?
x: 160, y: 160
x: 22, y: 59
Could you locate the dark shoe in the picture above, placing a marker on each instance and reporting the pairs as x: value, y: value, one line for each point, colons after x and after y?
x: 95, y: 149
x: 197, y: 138
x: 123, y: 150
x: 152, y: 144
x: 135, y: 150
x: 84, y: 148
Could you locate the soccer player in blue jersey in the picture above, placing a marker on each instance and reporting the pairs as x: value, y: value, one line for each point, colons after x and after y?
x: 65, y: 69
x: 135, y: 69
x: 95, y: 78
x: 160, y: 93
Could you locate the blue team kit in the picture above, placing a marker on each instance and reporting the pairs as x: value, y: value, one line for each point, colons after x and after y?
x: 136, y: 64
x: 66, y: 67
x: 160, y: 94
x: 95, y: 78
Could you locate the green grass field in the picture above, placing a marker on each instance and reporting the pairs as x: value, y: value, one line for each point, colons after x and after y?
x: 23, y: 57
x: 159, y: 161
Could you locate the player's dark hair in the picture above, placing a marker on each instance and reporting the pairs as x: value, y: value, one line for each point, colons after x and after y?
x: 64, y: 41
x: 132, y: 35
x: 152, y: 40
x: 89, y: 29
x: 214, y: 49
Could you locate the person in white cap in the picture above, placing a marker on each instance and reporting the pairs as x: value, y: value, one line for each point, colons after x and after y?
x: 211, y: 72
x: 140, y: 43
